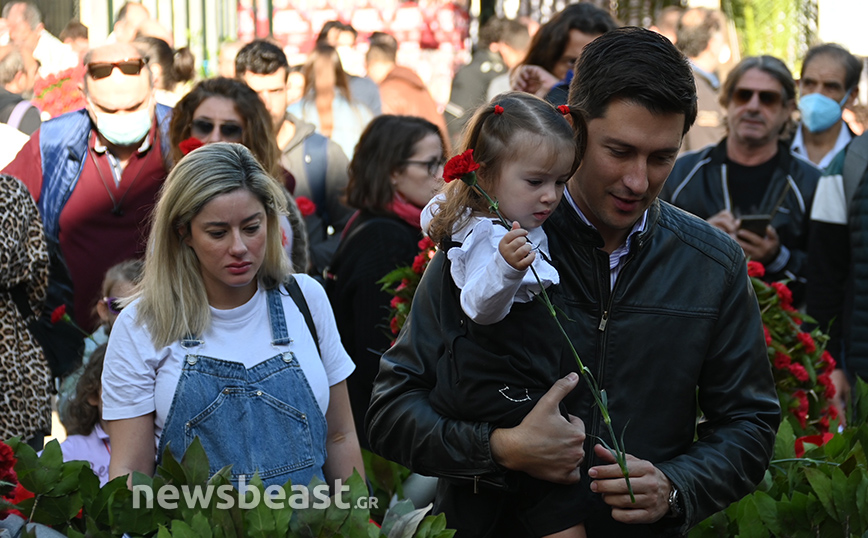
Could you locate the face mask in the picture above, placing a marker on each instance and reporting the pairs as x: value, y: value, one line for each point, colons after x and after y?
x: 820, y: 112
x: 124, y: 130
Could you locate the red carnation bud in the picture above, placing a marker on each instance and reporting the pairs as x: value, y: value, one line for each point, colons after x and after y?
x: 58, y: 314
x: 306, y: 206
x: 186, y: 146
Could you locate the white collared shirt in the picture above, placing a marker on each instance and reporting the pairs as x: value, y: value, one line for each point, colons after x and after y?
x: 798, y: 146
x: 619, y: 255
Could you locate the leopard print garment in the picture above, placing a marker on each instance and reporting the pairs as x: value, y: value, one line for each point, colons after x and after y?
x: 25, y: 380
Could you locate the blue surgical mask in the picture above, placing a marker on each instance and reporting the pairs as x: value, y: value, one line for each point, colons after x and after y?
x: 126, y: 129
x: 820, y: 112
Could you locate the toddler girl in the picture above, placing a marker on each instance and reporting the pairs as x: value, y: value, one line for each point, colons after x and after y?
x: 526, y: 152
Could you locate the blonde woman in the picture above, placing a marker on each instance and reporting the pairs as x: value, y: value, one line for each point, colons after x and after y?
x: 220, y: 340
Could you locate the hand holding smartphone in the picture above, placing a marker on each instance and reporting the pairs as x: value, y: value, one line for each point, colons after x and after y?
x: 755, y: 223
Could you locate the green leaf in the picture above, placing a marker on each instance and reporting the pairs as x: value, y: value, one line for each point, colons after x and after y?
x: 181, y: 529
x: 259, y: 520
x: 200, y: 526
x: 69, y: 478
x: 767, y: 511
x: 88, y: 487
x: 749, y: 522
x: 822, y: 486
x: 785, y: 442
x: 844, y: 492
x: 41, y: 476
x: 404, y: 525
x: 195, y: 463
x: 163, y: 533
x: 170, y: 469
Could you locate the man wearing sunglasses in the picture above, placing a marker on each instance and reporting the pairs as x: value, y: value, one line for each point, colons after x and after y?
x: 95, y: 174
x: 750, y: 185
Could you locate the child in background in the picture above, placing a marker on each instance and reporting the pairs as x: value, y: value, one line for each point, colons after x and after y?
x: 526, y: 152
x: 119, y: 282
x: 87, y: 439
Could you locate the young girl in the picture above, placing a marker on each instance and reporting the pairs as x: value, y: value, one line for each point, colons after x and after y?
x: 118, y: 282
x: 526, y: 152
x: 87, y: 439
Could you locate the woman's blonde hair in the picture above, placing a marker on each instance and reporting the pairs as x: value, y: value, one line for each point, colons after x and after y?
x: 174, y: 303
x: 493, y: 138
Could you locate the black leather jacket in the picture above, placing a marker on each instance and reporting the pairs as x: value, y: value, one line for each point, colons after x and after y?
x: 698, y: 185
x: 681, y: 326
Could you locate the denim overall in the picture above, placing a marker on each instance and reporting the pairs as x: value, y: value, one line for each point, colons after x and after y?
x: 263, y: 419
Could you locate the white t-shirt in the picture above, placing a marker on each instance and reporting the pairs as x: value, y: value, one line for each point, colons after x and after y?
x: 138, y: 378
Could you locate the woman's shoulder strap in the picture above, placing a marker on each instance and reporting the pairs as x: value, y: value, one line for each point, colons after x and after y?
x: 297, y: 296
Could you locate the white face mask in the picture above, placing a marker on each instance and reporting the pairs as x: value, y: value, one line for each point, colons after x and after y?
x: 124, y: 130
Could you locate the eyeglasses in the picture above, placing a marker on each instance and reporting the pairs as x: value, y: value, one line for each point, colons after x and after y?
x: 433, y: 165
x: 113, y: 304
x: 230, y: 131
x: 98, y: 70
x: 742, y: 96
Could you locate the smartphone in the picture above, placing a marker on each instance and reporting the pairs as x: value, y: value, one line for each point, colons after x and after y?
x: 755, y: 223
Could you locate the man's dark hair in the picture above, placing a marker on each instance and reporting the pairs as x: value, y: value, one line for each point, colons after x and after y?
x: 331, y: 25
x: 260, y: 57
x: 770, y: 65
x: 514, y: 33
x: 383, y: 39
x: 695, y: 29
x: 852, y: 65
x: 638, y: 65
x: 549, y: 42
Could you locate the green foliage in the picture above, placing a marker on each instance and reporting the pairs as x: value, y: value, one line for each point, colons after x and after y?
x: 824, y: 493
x: 781, y: 28
x: 68, y: 498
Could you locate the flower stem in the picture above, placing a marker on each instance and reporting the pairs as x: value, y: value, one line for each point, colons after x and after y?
x: 617, y: 451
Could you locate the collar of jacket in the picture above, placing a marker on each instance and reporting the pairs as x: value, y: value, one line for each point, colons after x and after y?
x: 718, y: 154
x: 576, y: 231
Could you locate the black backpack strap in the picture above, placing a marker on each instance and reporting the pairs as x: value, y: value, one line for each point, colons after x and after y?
x: 297, y: 296
x: 18, y: 293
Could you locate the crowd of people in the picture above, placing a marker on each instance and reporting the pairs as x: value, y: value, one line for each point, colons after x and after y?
x: 222, y: 242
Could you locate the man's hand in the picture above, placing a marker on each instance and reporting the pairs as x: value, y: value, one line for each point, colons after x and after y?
x: 545, y: 445
x: 650, y: 487
x: 726, y: 222
x: 516, y: 249
x: 760, y: 249
x: 533, y: 79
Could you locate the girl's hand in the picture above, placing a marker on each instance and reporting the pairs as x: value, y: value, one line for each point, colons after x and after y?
x: 515, y: 248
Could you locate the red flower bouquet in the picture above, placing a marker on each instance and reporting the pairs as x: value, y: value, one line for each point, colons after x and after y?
x: 402, y: 284
x: 800, y: 365
x: 59, y: 93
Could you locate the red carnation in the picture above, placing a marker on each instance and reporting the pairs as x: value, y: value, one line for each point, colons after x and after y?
x: 186, y: 146
x: 459, y: 166
x: 768, y: 336
x: 825, y: 379
x: 755, y: 269
x: 419, y: 263
x: 817, y: 440
x: 393, y: 325
x: 807, y: 341
x: 426, y: 243
x: 396, y: 301
x: 59, y: 314
x: 828, y: 359
x: 306, y: 206
x: 799, y: 372
x: 782, y: 361
x: 784, y: 294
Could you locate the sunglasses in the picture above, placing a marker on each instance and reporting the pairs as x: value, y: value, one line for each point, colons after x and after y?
x: 202, y: 128
x: 98, y: 70
x: 434, y: 165
x: 113, y: 304
x: 742, y: 96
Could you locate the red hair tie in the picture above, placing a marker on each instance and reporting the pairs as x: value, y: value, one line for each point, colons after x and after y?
x: 498, y: 110
x: 564, y: 109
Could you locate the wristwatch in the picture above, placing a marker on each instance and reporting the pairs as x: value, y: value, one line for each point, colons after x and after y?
x: 675, y: 508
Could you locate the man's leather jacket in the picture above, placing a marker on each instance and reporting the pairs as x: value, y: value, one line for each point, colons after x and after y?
x: 681, y: 327
x: 698, y: 184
